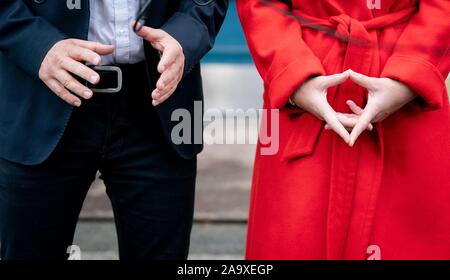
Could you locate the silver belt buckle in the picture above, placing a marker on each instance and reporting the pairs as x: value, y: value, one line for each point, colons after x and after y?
x: 110, y: 69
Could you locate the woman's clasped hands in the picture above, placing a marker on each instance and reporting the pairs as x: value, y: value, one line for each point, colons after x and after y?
x: 385, y: 96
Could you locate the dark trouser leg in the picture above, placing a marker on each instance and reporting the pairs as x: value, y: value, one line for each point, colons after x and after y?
x: 39, y: 205
x: 39, y: 222
x: 153, y: 213
x: 150, y: 186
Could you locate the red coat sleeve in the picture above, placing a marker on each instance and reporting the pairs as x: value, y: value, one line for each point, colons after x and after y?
x: 282, y: 58
x: 421, y: 56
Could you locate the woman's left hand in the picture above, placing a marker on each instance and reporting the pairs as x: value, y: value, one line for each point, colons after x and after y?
x: 385, y: 96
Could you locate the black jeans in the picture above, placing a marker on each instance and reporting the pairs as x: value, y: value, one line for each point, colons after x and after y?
x: 150, y: 186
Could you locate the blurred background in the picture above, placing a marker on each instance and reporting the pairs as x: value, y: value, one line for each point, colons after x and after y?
x: 224, y: 171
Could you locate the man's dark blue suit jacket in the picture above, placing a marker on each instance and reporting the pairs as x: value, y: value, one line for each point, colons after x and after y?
x: 33, y: 119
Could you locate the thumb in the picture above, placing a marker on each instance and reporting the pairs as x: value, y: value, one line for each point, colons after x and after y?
x: 151, y: 35
x: 362, y: 80
x: 336, y: 79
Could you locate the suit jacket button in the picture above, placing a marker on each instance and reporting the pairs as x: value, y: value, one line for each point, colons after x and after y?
x: 38, y: 1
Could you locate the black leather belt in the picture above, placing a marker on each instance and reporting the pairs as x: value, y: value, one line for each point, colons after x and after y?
x: 115, y: 77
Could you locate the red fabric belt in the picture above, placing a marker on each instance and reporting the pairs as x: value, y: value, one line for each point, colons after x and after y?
x: 347, y: 26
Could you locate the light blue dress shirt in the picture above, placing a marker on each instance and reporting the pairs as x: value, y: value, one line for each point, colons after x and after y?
x: 110, y: 23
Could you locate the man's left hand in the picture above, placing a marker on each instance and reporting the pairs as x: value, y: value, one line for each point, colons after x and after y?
x: 171, y: 64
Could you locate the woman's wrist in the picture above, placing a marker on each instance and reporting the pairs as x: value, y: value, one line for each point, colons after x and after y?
x: 292, y: 97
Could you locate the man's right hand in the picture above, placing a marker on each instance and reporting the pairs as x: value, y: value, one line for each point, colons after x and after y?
x: 65, y: 59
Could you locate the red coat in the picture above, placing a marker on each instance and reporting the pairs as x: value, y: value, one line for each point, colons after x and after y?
x: 389, y: 195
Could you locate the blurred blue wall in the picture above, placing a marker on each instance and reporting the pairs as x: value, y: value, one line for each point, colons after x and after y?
x: 230, y: 45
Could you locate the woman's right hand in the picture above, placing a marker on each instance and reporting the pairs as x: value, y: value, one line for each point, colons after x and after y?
x: 312, y: 97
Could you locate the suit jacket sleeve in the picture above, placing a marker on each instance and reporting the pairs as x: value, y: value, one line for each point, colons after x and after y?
x: 421, y: 56
x: 195, y: 27
x: 25, y: 38
x: 282, y: 58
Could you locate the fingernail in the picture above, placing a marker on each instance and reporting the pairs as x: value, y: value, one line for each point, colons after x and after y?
x: 87, y: 94
x: 94, y: 79
x: 138, y: 25
x: 77, y: 103
x: 97, y: 60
